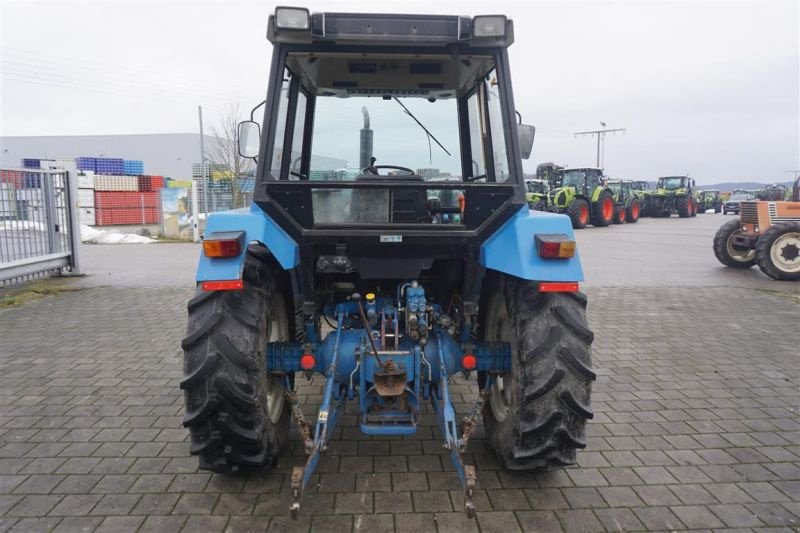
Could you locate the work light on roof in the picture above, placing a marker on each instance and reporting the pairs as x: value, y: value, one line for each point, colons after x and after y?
x: 489, y: 26
x: 292, y: 18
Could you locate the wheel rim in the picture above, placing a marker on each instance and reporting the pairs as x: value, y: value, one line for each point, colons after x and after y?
x: 741, y: 256
x: 635, y: 211
x: 608, y: 209
x: 278, y: 331
x: 785, y: 252
x: 499, y: 328
x: 584, y: 214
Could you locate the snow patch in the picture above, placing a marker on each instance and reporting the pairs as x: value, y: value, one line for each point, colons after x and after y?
x: 97, y: 236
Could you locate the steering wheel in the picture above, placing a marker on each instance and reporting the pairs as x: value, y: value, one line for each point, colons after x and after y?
x: 373, y: 170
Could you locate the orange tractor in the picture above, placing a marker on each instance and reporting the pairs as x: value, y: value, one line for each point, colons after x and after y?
x: 767, y: 233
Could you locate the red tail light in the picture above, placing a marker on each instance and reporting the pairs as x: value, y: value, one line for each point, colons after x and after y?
x: 223, y: 244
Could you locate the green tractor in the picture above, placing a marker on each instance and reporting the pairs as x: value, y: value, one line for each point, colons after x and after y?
x: 536, y: 194
x: 708, y: 199
x: 626, y: 202
x: 643, y: 190
x: 673, y: 194
x: 583, y: 196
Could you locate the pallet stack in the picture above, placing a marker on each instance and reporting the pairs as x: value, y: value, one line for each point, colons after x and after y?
x: 86, y: 211
x: 121, y: 193
x: 126, y: 207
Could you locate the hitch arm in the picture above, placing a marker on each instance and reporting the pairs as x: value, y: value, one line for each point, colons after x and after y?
x: 328, y: 416
x: 446, y: 416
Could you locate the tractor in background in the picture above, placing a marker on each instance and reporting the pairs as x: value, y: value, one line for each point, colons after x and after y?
x: 536, y: 194
x: 626, y: 202
x: 362, y: 284
x: 673, y: 194
x: 643, y: 190
x: 551, y: 173
x: 767, y: 233
x: 708, y: 199
x: 584, y: 197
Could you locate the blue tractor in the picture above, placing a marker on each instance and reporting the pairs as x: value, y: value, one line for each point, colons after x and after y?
x: 388, y: 279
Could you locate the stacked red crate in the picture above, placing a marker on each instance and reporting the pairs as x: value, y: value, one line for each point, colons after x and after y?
x: 13, y: 178
x: 150, y: 183
x: 124, y: 207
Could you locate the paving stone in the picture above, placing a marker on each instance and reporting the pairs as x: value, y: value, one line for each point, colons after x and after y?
x: 697, y: 517
x: 34, y: 505
x: 205, y: 523
x: 735, y: 515
x: 498, y: 522
x: 658, y: 518
x: 538, y: 521
x: 454, y: 523
x: 618, y: 519
x: 78, y: 524
x: 579, y: 521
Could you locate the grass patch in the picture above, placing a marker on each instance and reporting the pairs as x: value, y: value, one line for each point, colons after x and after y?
x: 18, y: 295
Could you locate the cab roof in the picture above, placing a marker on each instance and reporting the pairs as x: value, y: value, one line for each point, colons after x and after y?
x: 391, y: 29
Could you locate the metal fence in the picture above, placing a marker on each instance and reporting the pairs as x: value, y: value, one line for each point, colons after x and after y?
x: 39, y: 231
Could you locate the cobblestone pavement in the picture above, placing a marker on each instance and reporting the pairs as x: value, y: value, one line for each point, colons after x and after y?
x: 696, y: 427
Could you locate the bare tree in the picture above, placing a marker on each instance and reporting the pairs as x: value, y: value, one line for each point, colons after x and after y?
x: 223, y: 154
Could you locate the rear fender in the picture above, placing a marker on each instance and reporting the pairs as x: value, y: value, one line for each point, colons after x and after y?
x: 258, y: 227
x: 512, y: 248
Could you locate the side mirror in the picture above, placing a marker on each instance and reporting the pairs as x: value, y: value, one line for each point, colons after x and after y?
x: 525, y: 134
x: 249, y: 138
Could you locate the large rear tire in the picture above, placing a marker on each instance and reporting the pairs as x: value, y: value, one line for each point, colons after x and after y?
x: 778, y: 251
x: 603, y: 210
x: 725, y: 251
x: 684, y: 206
x: 578, y: 212
x: 536, y: 415
x: 619, y: 215
x: 235, y: 411
x: 633, y: 212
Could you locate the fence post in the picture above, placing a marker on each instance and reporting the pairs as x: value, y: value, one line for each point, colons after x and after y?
x: 48, y: 195
x: 195, y: 213
x: 73, y: 217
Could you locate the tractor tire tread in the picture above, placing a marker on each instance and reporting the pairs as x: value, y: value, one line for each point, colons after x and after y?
x: 720, y: 244
x: 545, y: 424
x: 763, y: 251
x: 223, y: 383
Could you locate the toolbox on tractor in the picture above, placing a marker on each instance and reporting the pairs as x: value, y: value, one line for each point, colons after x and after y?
x: 390, y: 282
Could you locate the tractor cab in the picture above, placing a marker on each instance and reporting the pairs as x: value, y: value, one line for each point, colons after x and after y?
x: 674, y: 185
x: 583, y: 180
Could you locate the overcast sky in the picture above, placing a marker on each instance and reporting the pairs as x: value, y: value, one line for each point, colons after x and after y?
x: 706, y: 88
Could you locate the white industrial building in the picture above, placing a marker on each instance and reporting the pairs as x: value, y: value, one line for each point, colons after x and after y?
x: 164, y: 154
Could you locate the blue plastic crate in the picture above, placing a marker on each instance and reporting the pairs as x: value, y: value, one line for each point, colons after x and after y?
x: 31, y: 163
x: 86, y: 163
x: 133, y: 167
x: 31, y: 180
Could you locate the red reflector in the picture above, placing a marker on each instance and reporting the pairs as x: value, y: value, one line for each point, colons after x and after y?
x: 549, y: 249
x: 558, y: 286
x: 222, y: 248
x: 307, y: 361
x: 227, y: 285
x: 469, y: 362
